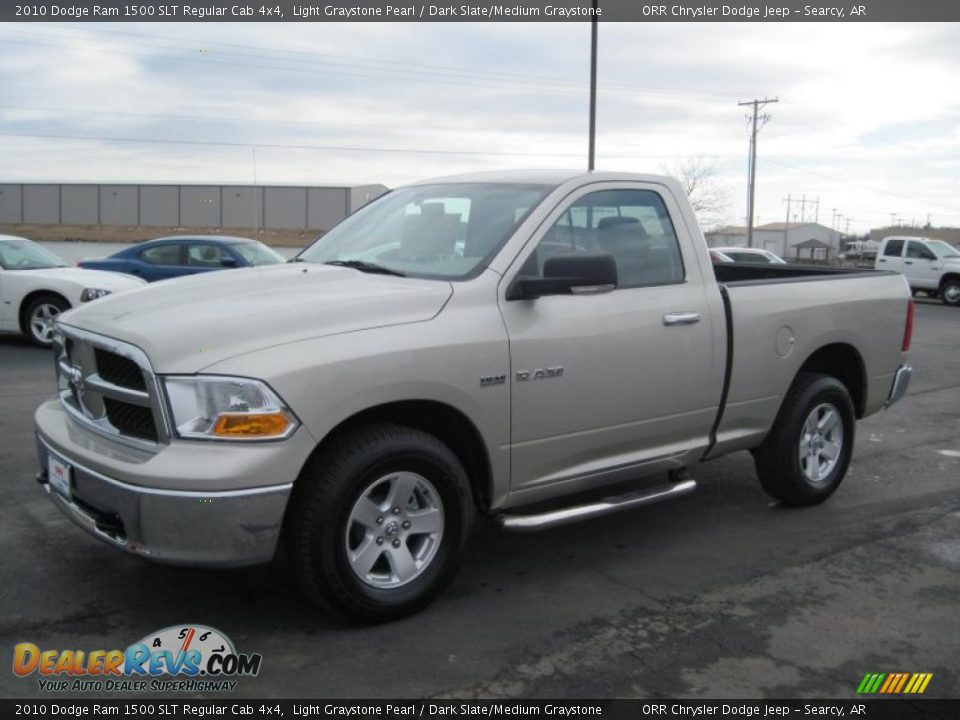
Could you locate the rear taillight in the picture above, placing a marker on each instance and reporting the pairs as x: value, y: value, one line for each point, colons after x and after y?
x: 908, y: 327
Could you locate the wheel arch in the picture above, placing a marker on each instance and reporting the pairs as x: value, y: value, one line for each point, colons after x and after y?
x: 948, y: 277
x: 844, y: 362
x: 29, y: 298
x: 445, y: 422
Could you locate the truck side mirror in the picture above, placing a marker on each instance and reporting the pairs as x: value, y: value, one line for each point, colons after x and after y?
x: 228, y: 262
x: 569, y: 275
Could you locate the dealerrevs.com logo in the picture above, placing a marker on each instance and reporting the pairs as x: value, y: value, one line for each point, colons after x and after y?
x: 180, y: 658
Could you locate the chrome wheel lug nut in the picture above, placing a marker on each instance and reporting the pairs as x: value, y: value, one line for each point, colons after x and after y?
x: 379, y: 541
x: 396, y: 543
x: 406, y: 525
x: 380, y: 520
x: 396, y: 511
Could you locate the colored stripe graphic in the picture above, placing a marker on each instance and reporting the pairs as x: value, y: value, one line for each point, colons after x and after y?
x: 894, y: 683
x: 900, y: 684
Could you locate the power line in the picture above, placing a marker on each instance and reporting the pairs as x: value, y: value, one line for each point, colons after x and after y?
x: 266, y: 121
x: 492, y: 80
x: 859, y: 185
x: 336, y: 148
x: 258, y: 52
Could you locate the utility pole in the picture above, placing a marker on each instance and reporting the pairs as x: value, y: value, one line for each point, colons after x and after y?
x: 752, y: 166
x: 593, y: 88
x: 833, y: 221
x: 786, y: 225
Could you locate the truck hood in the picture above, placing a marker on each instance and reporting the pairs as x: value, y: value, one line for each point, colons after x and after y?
x: 189, y: 323
x: 82, y: 278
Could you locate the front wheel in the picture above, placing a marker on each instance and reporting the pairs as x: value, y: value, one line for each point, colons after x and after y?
x: 40, y: 315
x: 379, y: 521
x: 805, y: 456
x: 950, y: 292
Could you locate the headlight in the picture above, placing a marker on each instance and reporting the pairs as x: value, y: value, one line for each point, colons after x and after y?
x: 92, y: 294
x: 227, y: 408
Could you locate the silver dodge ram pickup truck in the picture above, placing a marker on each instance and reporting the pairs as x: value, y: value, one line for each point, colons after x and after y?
x: 533, y: 347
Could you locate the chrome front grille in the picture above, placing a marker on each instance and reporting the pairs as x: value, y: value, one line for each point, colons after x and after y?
x: 109, y: 386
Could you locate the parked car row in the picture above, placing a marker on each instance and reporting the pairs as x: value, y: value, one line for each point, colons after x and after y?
x: 36, y: 285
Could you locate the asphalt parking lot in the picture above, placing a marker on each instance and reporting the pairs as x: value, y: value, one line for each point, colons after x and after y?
x: 720, y: 594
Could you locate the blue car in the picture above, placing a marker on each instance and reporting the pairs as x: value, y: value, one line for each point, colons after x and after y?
x: 186, y: 255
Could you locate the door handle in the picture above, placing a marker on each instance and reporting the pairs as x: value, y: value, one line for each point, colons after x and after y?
x: 681, y: 318
x: 908, y: 262
x: 882, y: 260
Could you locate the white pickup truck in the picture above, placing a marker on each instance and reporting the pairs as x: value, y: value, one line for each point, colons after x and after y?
x: 930, y: 266
x: 509, y: 345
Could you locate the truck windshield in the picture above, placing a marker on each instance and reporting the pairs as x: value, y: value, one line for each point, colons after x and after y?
x: 943, y: 249
x: 447, y: 231
x: 22, y: 254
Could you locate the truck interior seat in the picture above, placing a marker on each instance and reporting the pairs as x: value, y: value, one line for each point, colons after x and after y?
x: 431, y: 233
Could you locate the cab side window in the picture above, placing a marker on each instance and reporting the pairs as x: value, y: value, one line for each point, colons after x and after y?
x: 919, y: 251
x: 631, y: 225
x: 162, y: 255
x: 894, y: 248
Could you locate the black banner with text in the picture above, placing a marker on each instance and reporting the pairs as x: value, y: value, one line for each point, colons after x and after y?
x: 479, y: 11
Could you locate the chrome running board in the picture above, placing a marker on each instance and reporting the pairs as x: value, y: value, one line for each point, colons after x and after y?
x: 607, y: 506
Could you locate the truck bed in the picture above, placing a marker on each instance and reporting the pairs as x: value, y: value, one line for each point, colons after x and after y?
x: 778, y: 316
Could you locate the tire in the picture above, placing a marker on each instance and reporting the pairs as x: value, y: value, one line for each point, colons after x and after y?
x: 38, y: 317
x: 950, y: 293
x: 342, y: 507
x: 795, y: 465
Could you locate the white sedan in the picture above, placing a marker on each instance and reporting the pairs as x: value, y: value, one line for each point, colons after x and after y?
x: 36, y: 286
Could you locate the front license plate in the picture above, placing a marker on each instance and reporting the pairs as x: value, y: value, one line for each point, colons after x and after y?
x: 58, y: 474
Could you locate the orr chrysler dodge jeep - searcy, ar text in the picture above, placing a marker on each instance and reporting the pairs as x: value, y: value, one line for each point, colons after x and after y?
x: 510, y: 345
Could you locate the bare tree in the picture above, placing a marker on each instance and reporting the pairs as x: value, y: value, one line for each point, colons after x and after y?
x: 699, y: 177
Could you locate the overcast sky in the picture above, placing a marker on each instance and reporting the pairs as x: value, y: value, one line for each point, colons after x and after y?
x: 868, y: 118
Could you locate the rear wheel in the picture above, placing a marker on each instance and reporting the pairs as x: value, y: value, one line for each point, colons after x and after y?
x: 379, y: 521
x: 950, y: 292
x: 806, y: 455
x: 39, y: 317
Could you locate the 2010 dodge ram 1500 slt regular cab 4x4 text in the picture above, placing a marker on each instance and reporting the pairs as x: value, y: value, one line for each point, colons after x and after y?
x: 496, y: 345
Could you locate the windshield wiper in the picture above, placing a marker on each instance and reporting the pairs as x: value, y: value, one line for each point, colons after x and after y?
x: 367, y: 267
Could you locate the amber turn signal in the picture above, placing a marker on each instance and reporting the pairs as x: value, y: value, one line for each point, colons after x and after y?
x: 252, y: 425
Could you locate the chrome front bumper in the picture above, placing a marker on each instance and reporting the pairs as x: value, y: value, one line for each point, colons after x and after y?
x: 181, y: 527
x: 901, y: 381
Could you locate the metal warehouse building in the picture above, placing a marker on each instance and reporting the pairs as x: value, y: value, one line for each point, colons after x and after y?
x: 193, y: 206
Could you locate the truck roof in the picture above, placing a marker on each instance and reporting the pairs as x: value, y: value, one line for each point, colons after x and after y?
x: 541, y: 177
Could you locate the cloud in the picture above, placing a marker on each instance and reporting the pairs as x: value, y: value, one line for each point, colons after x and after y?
x: 868, y: 118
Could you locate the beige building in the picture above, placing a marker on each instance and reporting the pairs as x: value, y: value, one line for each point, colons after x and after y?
x: 784, y: 239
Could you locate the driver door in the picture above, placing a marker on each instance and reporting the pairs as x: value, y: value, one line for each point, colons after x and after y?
x: 921, y: 266
x: 610, y: 385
